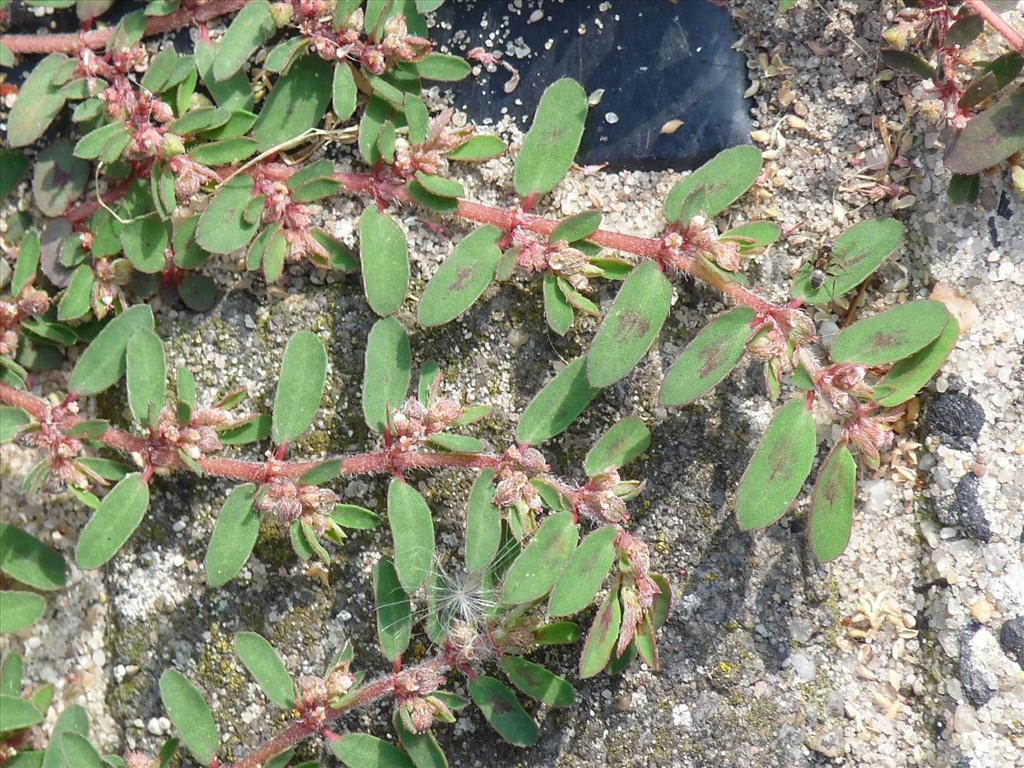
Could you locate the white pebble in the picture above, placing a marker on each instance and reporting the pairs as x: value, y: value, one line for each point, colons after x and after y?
x: 611, y: 118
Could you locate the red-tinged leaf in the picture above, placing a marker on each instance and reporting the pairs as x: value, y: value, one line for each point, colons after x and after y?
x: 832, y: 501
x: 989, y: 137
x: 554, y: 136
x: 503, y: 711
x: 462, y: 279
x: 604, y: 632
x: 537, y: 682
x: 779, y: 467
x: 715, y: 185
x: 708, y: 358
x: 906, y: 378
x: 891, y: 335
x: 626, y: 440
x: 582, y: 578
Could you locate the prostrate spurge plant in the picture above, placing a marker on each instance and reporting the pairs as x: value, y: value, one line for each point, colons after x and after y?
x: 179, y: 165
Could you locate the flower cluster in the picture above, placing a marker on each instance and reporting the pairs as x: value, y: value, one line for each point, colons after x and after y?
x: 14, y: 311
x: 429, y: 155
x: 514, y: 488
x: 604, y: 498
x: 414, y: 423
x: 291, y: 501
x: 639, y: 591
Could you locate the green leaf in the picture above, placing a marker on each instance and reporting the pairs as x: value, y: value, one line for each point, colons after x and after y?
x: 456, y: 443
x: 597, y: 650
x: 285, y: 53
x: 300, y: 387
x: 145, y: 243
x: 251, y: 28
x: 503, y: 711
x: 233, y: 93
x: 77, y: 299
x: 77, y: 751
x: 72, y: 720
x: 102, y: 364
x: 27, y: 264
x: 374, y: 116
x: 361, y: 750
x: 905, y: 61
x: 631, y: 326
x: 577, y: 227
x: 483, y: 523
x: 557, y: 633
x: 582, y: 578
x: 105, y: 468
x: 779, y: 467
x: 13, y: 165
x: 440, y: 186
x: 103, y: 140
x: 224, y: 152
x: 11, y: 422
x: 754, y: 235
x: 90, y: 429
x: 39, y: 100
x: 992, y: 77
x: 537, y: 682
x: 891, y: 335
x: 321, y: 473
x: 430, y: 201
x: 418, y: 119
x: 557, y: 405
x: 477, y: 149
x: 339, y: 256
x: 708, y: 358
x: 856, y: 254
x: 988, y: 138
x: 422, y: 748
x: 251, y: 431
x: 387, y: 372
x: 385, y: 261
x: 354, y: 516
x: 190, y: 715
x: 10, y: 674
x: 443, y: 67
x: 964, y: 189
x: 199, y: 120
x: 394, y: 611
x: 535, y: 571
x: 146, y: 376
x: 58, y: 178
x: 222, y: 227
x: 618, y: 446
x: 965, y: 29
x: 462, y: 279
x: 412, y: 528
x: 128, y: 32
x: 906, y: 378
x: 831, y: 518
x: 297, y: 102
x: 429, y: 374
x: 234, y: 536
x: 266, y: 667
x: 19, y: 610
x: 551, y: 143
x: 117, y: 517
x: 16, y: 713
x: 715, y: 185
x: 557, y: 310
x: 198, y: 292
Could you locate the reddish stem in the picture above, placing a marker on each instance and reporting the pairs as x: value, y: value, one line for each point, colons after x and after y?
x: 71, y: 42
x: 999, y: 24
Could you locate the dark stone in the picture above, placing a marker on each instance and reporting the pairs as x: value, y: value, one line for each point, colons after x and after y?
x: 975, y: 680
x: 956, y: 418
x: 965, y: 512
x: 963, y: 762
x: 1011, y: 639
x: 656, y: 61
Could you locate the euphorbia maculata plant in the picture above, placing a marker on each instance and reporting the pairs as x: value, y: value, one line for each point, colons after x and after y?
x: 162, y: 171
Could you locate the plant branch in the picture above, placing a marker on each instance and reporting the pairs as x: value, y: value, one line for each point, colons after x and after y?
x: 97, y: 38
x: 999, y: 24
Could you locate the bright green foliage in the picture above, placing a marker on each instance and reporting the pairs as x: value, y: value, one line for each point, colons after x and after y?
x: 708, y: 358
x: 422, y: 748
x: 266, y: 667
x: 146, y: 376
x: 11, y: 422
x: 557, y: 405
x: 558, y: 633
x: 27, y: 560
x: 412, y: 528
x: 252, y: 27
x: 534, y: 572
x: 503, y: 711
x: 597, y: 650
x: 989, y: 137
x: 631, y: 326
x: 234, y: 536
x: 361, y: 750
x: 297, y: 102
x: 352, y: 516
x: 190, y: 715
x: 19, y: 610
x: 300, y: 387
x: 891, y: 335
x: 715, y: 185
x: 626, y: 440
x: 16, y: 713
x: 443, y: 67
x: 39, y: 100
x: 145, y: 243
x: 779, y: 467
x: 856, y: 254
x: 387, y: 372
x: 576, y: 227
x: 462, y: 278
x: 483, y: 523
x: 557, y: 309
x: 385, y: 261
x: 77, y: 299
x: 581, y: 580
x: 754, y: 235
x: 102, y: 364
x: 908, y: 376
x: 223, y: 227
x: 394, y: 611
x: 554, y: 136
x: 116, y: 518
x: 537, y: 682
x: 832, y: 500
x: 77, y: 751
x: 478, y: 148
x: 27, y: 264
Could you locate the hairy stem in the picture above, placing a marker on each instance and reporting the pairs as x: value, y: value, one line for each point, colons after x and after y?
x: 998, y: 23
x: 97, y: 38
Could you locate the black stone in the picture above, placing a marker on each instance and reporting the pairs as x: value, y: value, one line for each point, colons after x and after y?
x: 956, y: 418
x: 1011, y: 639
x: 656, y: 61
x: 964, y: 510
x: 976, y: 681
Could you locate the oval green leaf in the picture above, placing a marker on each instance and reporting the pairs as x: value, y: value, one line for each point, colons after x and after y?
x: 234, y: 536
x: 146, y: 376
x: 297, y: 102
x: 361, y: 750
x: 190, y: 714
x: 116, y: 518
x: 537, y: 682
x: 266, y: 667
x: 779, y: 467
x: 631, y: 326
x: 77, y: 299
x: 394, y: 611
x: 582, y: 578
x: 891, y: 335
x: 344, y: 91
x: 554, y: 136
x: 422, y: 748
x: 19, y: 610
x: 39, y: 100
x: 252, y: 27
x: 618, y: 446
x: 477, y: 149
x: 412, y: 528
x: 385, y: 261
x: 483, y: 523
x: 988, y: 138
x: 908, y: 376
x: 77, y: 751
x: 16, y: 713
x: 597, y: 650
x: 356, y: 517
x: 576, y: 227
x: 29, y: 561
x: 708, y: 358
x: 557, y: 309
x: 443, y: 67
x: 223, y: 227
x: 300, y: 387
x: 715, y: 185
x: 387, y: 372
x: 503, y: 711
x: 462, y: 279
x: 58, y: 178
x: 831, y: 518
x: 102, y: 364
x: 534, y: 572
x: 557, y: 405
x: 12, y: 420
